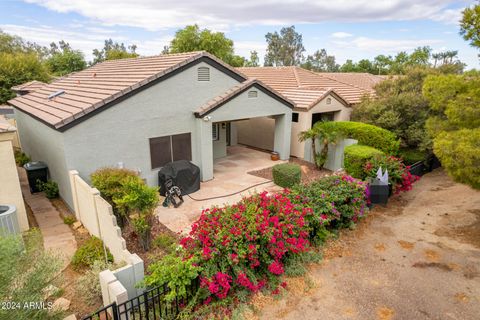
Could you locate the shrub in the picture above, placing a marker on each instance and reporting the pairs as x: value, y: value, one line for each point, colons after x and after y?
x: 335, y: 202
x: 165, y: 242
x: 286, y: 174
x: 21, y: 158
x: 26, y: 270
x: 50, y: 188
x: 366, y: 134
x: 398, y: 174
x: 91, y: 251
x: 411, y: 156
x: 175, y: 272
x: 355, y: 158
x: 88, y: 285
x: 459, y: 153
x: 69, y: 220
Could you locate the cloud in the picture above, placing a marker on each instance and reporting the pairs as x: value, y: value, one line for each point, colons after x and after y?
x: 165, y: 14
x: 379, y: 46
x: 341, y: 35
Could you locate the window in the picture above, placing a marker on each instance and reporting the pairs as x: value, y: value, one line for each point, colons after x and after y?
x: 215, y: 132
x: 170, y: 148
x: 295, y: 117
x: 203, y: 74
x: 329, y: 100
x: 252, y: 94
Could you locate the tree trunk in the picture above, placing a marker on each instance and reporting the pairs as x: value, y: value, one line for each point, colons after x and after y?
x: 314, y: 152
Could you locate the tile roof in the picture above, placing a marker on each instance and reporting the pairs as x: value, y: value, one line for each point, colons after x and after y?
x: 287, y: 80
x: 362, y: 80
x: 236, y: 90
x: 90, y: 89
x: 28, y: 86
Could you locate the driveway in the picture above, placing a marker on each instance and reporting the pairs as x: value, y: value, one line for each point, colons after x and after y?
x: 418, y: 258
x: 230, y: 183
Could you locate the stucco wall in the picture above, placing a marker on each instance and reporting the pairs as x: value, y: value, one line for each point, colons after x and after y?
x: 43, y: 143
x: 10, y: 192
x: 121, y: 133
x: 257, y: 132
x: 220, y: 145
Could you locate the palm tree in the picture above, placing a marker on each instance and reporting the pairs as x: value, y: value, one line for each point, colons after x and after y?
x: 323, y: 132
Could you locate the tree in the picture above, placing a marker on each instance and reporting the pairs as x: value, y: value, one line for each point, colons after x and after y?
x: 454, y: 123
x: 254, y: 60
x: 18, y: 68
x: 400, y: 107
x: 320, y: 61
x: 113, y: 51
x: 470, y: 25
x: 191, y: 38
x: 325, y: 135
x: 284, y: 49
x: 63, y: 59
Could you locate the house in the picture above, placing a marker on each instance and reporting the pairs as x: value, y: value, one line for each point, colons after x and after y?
x: 142, y: 113
x: 316, y: 96
x: 363, y: 80
x: 10, y: 191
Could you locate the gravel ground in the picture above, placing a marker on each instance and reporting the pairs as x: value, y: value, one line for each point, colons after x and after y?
x: 417, y: 258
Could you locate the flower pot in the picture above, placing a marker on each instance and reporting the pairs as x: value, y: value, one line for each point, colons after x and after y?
x: 274, y: 156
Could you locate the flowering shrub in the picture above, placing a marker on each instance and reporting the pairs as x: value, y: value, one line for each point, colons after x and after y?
x: 398, y: 173
x: 244, y: 246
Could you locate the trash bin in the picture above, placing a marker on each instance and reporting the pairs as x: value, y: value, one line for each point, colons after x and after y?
x: 379, y: 192
x: 36, y: 170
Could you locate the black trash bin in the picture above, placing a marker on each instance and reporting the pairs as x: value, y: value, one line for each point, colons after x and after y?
x: 184, y: 174
x: 36, y: 170
x: 379, y: 192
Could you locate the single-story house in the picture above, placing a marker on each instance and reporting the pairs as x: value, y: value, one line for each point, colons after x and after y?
x: 317, y: 97
x: 362, y: 80
x: 142, y: 113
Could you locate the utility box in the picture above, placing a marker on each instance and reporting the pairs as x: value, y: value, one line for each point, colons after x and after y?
x: 36, y: 170
x: 379, y: 192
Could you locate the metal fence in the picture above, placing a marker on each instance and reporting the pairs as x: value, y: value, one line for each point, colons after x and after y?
x: 150, y: 305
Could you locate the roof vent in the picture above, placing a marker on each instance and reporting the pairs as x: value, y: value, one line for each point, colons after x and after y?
x: 203, y: 74
x: 252, y: 94
x: 56, y: 94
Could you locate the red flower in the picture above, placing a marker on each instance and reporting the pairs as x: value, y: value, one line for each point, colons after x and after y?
x: 276, y: 268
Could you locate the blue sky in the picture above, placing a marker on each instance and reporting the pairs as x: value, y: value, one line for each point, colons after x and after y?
x: 347, y: 29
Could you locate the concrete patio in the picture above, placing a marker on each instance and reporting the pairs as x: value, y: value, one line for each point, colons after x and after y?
x: 230, y: 183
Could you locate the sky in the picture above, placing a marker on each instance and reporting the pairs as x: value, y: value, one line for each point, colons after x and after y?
x: 347, y: 29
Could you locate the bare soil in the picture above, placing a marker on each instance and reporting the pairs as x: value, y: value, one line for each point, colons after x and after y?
x: 416, y: 258
x: 309, y: 171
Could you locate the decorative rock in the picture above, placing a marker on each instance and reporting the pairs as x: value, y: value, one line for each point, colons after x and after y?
x: 49, y: 291
x: 76, y: 225
x: 61, y: 304
x: 71, y: 317
x: 82, y: 230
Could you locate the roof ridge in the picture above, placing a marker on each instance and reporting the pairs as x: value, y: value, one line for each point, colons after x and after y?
x: 342, y: 82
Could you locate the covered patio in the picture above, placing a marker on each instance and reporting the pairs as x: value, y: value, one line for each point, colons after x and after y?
x: 230, y: 183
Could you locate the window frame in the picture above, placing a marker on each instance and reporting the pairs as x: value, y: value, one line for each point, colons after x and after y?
x: 216, y: 137
x: 168, y: 151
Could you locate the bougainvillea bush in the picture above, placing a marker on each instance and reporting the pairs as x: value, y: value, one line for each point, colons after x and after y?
x: 335, y: 201
x: 398, y: 173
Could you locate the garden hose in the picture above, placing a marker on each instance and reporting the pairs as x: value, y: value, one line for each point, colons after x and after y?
x: 231, y: 194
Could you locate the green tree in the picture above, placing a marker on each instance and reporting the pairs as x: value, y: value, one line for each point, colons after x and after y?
x: 454, y: 123
x: 254, y: 60
x: 325, y: 135
x: 320, y: 61
x: 18, y: 68
x: 113, y: 51
x: 399, y: 106
x: 284, y: 48
x: 191, y: 38
x: 470, y: 25
x: 63, y: 59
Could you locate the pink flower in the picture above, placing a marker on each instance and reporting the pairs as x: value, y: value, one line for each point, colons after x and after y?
x: 276, y: 268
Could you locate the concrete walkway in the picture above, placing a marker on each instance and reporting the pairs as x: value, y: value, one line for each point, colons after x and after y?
x: 230, y: 177
x: 57, y: 236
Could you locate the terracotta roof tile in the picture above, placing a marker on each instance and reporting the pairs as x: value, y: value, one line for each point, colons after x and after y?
x: 28, y: 86
x: 92, y: 88
x: 287, y: 80
x: 363, y: 80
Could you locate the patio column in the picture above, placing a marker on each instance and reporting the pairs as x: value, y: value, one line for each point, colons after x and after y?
x: 283, y: 132
x: 205, y: 149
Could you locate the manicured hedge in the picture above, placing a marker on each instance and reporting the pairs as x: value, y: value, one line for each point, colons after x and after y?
x: 366, y: 134
x: 355, y: 158
x: 411, y: 156
x: 286, y: 174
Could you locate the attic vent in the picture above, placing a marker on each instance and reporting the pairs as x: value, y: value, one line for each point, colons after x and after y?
x: 203, y: 74
x: 56, y: 94
x: 329, y: 100
x: 252, y: 94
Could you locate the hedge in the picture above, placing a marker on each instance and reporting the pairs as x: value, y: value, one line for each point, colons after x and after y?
x: 411, y: 156
x: 355, y: 158
x: 366, y: 134
x: 286, y: 174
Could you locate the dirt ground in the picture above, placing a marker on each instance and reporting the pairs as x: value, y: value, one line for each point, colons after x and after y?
x: 417, y: 258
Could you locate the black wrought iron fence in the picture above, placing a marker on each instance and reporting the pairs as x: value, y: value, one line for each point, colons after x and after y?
x: 150, y: 305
